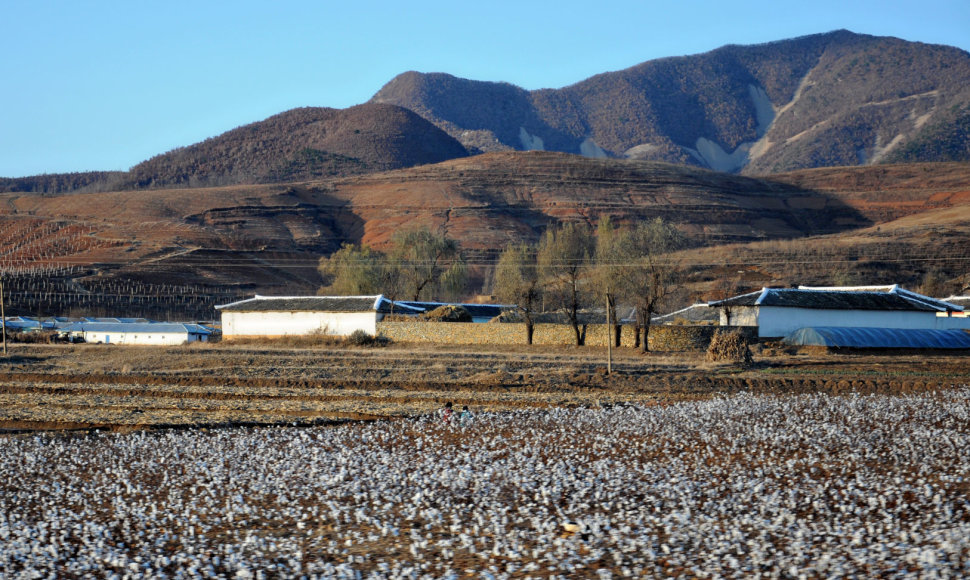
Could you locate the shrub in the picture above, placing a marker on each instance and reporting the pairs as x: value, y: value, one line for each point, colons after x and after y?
x: 729, y: 346
x: 362, y: 338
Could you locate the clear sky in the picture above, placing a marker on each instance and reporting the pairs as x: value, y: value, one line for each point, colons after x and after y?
x: 103, y: 85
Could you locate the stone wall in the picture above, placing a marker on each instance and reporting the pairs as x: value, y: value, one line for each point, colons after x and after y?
x: 662, y: 338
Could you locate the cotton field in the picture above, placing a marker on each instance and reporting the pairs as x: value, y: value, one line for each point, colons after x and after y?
x: 736, y: 487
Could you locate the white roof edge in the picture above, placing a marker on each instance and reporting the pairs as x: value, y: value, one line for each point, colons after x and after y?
x: 710, y: 302
x: 221, y: 306
x: 929, y: 302
x: 761, y: 296
x: 872, y: 288
x: 375, y: 296
x: 259, y: 297
x: 936, y: 302
x: 695, y: 305
x: 397, y: 304
x: 457, y: 303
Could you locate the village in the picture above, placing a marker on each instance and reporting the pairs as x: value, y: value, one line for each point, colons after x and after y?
x: 857, y: 317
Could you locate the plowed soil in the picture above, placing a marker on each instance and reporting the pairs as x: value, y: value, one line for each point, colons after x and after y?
x: 86, y: 387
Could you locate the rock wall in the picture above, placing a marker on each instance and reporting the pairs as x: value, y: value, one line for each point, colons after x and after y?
x: 662, y: 338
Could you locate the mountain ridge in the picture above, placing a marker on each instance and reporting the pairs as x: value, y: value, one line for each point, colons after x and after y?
x: 831, y: 99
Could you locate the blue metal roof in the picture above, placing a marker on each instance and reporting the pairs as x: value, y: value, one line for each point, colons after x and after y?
x: 22, y: 325
x: 138, y: 328
x: 833, y: 336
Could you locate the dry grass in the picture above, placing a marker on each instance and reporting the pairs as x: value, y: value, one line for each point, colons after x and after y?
x: 226, y: 384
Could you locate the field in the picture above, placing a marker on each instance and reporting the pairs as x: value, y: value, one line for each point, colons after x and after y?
x: 332, y: 462
x: 126, y: 388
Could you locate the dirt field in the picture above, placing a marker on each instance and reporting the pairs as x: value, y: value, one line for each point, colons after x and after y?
x: 682, y: 483
x: 125, y: 387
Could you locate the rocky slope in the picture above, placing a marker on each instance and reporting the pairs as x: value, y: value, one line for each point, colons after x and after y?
x: 832, y: 99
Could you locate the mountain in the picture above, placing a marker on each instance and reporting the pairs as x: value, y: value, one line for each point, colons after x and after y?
x: 834, y: 99
x: 300, y: 144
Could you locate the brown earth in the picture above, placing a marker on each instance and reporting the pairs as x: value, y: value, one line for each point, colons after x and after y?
x: 857, y: 225
x: 84, y: 387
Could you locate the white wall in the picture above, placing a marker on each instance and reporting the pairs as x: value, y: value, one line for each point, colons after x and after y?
x: 296, y: 323
x: 155, y: 338
x: 775, y: 321
x: 739, y: 316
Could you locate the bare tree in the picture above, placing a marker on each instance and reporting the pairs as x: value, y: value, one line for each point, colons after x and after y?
x: 427, y: 262
x: 610, y: 265
x: 563, y: 260
x: 517, y: 281
x: 652, y: 273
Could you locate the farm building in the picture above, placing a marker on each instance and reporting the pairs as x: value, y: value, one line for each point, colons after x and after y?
x: 777, y: 312
x: 153, y: 333
x: 275, y: 316
x: 25, y: 324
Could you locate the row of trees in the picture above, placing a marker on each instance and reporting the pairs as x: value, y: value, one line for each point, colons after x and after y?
x: 570, y: 269
x: 420, y: 264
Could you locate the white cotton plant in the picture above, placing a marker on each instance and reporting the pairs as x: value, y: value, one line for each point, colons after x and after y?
x: 734, y: 487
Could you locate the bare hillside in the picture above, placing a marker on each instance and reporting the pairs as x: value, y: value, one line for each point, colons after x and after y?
x: 880, y: 224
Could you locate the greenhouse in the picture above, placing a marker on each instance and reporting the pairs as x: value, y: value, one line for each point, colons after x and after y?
x: 833, y: 336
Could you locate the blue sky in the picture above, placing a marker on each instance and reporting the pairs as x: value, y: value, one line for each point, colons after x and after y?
x: 103, y: 85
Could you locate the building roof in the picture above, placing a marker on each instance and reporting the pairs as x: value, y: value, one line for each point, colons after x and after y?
x: 879, y: 337
x: 841, y: 298
x: 958, y: 300
x: 137, y: 327
x: 313, y: 304
x: 701, y: 312
x: 22, y: 324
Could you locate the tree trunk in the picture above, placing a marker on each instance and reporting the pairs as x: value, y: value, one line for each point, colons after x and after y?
x: 636, y: 334
x: 642, y: 327
x: 529, y: 331
x: 646, y: 335
x: 617, y: 335
x: 614, y: 322
x: 579, y: 335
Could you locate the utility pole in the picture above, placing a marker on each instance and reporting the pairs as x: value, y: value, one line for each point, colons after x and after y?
x: 609, y: 338
x: 3, y: 319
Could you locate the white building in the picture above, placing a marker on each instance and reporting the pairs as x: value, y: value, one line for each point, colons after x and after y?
x: 276, y: 316
x: 777, y: 312
x: 150, y: 333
